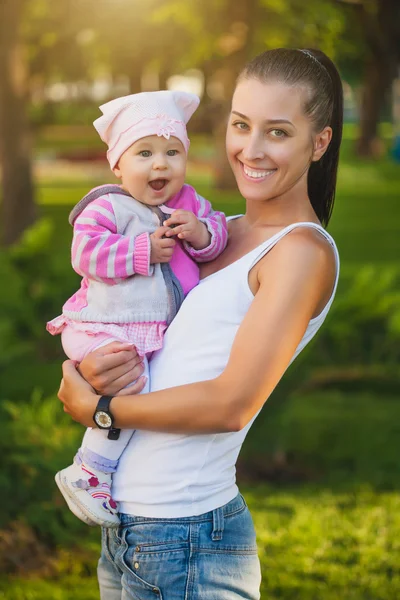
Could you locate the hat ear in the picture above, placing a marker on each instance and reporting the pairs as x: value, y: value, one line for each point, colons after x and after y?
x: 110, y: 111
x: 186, y: 102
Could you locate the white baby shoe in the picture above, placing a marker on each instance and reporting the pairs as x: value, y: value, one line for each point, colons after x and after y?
x: 87, y: 492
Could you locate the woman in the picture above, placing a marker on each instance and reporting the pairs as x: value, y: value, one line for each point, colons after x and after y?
x: 185, y: 531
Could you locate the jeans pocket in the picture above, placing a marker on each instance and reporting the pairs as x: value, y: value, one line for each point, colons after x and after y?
x: 155, y: 558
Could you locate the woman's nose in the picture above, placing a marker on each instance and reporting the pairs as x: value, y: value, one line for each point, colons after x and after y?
x: 253, y: 150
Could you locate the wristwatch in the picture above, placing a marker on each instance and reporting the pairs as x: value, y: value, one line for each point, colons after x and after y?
x: 104, y: 418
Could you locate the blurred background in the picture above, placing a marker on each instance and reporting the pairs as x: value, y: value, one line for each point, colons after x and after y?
x: 320, y: 468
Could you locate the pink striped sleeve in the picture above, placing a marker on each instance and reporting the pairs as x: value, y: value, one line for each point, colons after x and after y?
x: 215, y: 222
x: 99, y: 252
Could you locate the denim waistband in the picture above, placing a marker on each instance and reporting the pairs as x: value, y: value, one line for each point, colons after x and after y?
x: 232, y: 507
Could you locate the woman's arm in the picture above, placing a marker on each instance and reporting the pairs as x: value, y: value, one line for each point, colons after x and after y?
x: 294, y: 279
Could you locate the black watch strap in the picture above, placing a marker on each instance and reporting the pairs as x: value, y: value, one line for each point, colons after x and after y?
x: 113, y: 434
x: 104, y: 405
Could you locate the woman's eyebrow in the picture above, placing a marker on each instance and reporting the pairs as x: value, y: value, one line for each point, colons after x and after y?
x: 269, y: 121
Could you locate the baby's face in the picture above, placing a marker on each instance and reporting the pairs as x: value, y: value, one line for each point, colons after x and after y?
x: 153, y: 169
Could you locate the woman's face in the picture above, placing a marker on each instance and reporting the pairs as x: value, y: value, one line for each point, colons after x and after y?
x: 269, y: 141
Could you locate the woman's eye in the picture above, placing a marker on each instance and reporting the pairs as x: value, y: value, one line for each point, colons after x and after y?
x: 240, y: 125
x: 145, y: 153
x: 172, y: 152
x: 278, y: 133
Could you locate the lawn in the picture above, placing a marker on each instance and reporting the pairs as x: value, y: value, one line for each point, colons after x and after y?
x: 314, y: 544
x: 328, y: 517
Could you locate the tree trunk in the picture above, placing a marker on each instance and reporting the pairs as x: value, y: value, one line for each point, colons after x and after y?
x: 382, y: 35
x: 224, y: 178
x: 239, y: 15
x: 377, y: 83
x: 163, y: 75
x: 18, y: 207
x: 135, y: 80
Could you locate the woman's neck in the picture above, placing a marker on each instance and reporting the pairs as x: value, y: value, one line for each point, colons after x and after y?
x: 280, y: 211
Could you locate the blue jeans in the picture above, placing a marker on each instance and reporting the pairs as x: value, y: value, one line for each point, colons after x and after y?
x: 209, y: 557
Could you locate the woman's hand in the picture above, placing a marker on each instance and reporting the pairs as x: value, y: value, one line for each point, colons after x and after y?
x: 77, y: 395
x: 111, y: 368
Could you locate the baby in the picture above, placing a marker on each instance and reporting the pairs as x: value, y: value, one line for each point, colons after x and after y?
x: 136, y: 246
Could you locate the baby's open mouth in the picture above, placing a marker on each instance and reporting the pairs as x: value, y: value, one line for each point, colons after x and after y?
x: 158, y: 184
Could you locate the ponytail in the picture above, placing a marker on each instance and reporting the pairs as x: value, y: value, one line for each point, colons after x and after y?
x: 322, y: 175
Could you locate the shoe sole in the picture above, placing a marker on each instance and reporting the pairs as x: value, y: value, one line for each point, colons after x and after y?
x: 76, y: 508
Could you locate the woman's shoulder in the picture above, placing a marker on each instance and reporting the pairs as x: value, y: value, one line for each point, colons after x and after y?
x: 303, y: 264
x: 309, y: 237
x: 306, y: 250
x: 307, y: 243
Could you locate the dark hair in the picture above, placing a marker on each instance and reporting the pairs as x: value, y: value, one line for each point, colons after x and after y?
x: 316, y: 73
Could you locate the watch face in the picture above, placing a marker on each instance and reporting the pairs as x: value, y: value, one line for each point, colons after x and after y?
x: 103, y: 420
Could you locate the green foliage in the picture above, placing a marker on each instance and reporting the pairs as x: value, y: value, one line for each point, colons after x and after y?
x: 37, y: 440
x: 75, y: 41
x: 32, y: 272
x: 342, y: 436
x: 14, y: 320
x: 20, y: 267
x: 65, y: 113
x: 364, y: 324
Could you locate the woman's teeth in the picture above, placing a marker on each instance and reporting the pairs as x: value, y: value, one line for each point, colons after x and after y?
x: 257, y: 174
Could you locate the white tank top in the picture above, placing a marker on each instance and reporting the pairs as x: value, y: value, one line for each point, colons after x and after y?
x: 178, y: 475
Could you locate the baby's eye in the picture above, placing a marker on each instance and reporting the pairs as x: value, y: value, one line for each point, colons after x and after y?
x: 172, y: 152
x: 145, y: 153
x: 278, y: 133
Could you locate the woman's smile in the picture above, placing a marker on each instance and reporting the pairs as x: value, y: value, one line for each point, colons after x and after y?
x: 256, y: 175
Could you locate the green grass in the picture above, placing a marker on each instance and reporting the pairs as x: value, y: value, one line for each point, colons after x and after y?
x: 317, y: 544
x: 314, y: 544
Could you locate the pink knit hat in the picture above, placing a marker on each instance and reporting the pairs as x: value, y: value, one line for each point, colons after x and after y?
x: 130, y: 118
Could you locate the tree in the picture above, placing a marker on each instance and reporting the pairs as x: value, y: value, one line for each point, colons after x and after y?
x: 227, y: 33
x: 377, y: 23
x: 37, y: 40
x: 18, y: 207
x: 234, y: 45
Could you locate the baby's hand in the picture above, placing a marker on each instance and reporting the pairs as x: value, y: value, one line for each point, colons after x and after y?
x: 162, y: 248
x: 188, y: 227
